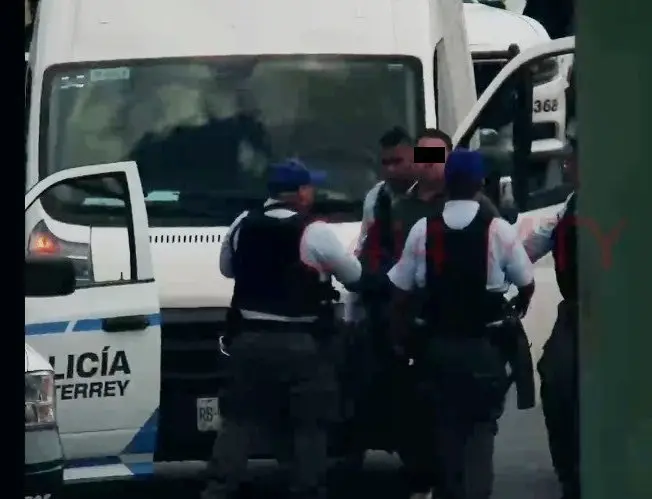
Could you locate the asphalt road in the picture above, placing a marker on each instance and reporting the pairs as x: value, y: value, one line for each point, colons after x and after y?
x: 522, y: 462
x: 522, y: 466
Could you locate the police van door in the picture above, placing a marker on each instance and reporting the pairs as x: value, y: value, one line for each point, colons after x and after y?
x: 521, y: 133
x: 103, y: 340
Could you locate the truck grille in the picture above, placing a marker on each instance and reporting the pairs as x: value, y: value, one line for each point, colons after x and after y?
x: 185, y: 239
x: 544, y: 130
x: 191, y: 368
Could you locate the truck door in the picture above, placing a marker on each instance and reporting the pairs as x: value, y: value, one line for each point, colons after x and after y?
x: 103, y: 340
x: 527, y: 171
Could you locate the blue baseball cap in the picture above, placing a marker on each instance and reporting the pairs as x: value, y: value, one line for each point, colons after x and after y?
x: 464, y: 165
x: 291, y: 174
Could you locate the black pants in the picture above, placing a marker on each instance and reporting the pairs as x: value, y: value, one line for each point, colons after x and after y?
x: 282, y: 383
x: 388, y: 412
x: 560, y: 400
x: 464, y: 458
x: 466, y: 382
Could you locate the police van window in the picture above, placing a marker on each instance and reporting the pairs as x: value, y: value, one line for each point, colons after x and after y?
x: 203, y: 130
x: 77, y: 202
x: 497, y: 136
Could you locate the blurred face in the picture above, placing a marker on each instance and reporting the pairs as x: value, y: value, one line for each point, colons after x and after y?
x: 306, y: 196
x: 431, y: 172
x: 397, y: 163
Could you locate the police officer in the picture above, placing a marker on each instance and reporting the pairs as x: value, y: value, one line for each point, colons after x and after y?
x: 282, y: 379
x: 376, y: 245
x: 558, y: 364
x: 371, y: 375
x: 464, y: 260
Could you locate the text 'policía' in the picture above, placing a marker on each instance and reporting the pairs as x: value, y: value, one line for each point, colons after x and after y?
x: 87, y: 365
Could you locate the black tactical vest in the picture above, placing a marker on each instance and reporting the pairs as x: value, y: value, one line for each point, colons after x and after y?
x: 458, y: 302
x: 564, y: 251
x: 378, y: 252
x: 409, y: 210
x: 270, y: 276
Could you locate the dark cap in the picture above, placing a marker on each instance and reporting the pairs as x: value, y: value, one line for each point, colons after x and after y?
x: 463, y: 165
x: 291, y: 174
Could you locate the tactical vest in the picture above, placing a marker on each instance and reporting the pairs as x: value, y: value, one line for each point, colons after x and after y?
x: 564, y: 251
x: 270, y: 276
x: 378, y: 252
x: 409, y: 210
x: 458, y: 302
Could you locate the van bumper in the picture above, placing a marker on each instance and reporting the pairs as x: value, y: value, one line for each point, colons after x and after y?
x: 44, y: 463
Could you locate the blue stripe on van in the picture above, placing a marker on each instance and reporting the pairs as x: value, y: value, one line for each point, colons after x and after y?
x: 144, y: 442
x: 81, y: 326
x: 46, y: 328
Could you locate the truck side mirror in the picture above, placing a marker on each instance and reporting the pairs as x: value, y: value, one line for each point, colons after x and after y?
x: 49, y: 276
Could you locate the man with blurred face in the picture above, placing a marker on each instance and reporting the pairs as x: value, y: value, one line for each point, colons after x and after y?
x: 373, y: 380
x: 375, y: 246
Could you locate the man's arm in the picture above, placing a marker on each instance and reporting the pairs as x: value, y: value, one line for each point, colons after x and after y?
x: 514, y: 262
x: 404, y: 277
x: 367, y: 216
x: 538, y: 243
x: 351, y: 300
x: 323, y: 251
x: 229, y: 243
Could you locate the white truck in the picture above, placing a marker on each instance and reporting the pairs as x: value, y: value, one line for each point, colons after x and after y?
x: 149, y: 134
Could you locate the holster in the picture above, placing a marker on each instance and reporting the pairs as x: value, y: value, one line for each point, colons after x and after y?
x: 464, y: 377
x: 512, y: 341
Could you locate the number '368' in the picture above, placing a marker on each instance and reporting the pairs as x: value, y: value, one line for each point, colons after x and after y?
x: 546, y: 105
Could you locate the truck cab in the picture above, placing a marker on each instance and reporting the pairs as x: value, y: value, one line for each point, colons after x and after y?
x: 143, y: 147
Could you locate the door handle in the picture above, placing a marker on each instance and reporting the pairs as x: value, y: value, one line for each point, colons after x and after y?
x: 125, y: 323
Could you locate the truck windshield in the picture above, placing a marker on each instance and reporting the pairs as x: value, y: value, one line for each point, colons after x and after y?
x: 203, y: 130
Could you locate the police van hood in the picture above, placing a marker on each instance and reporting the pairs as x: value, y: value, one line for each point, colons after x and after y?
x: 489, y: 29
x: 186, y: 263
x: 34, y: 361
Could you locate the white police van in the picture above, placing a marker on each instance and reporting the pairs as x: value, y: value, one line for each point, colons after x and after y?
x: 134, y: 348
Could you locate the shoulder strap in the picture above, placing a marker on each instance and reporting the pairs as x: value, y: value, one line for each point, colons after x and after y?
x: 383, y: 217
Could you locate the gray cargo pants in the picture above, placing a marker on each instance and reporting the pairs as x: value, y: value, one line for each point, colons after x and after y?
x: 282, y: 383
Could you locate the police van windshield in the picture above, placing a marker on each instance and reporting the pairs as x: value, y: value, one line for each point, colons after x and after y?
x: 203, y: 130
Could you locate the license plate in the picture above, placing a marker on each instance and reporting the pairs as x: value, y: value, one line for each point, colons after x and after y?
x: 208, y: 414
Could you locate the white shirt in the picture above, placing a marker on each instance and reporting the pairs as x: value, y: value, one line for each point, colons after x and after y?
x: 507, y: 260
x: 353, y: 311
x: 369, y: 211
x: 320, y: 249
x: 539, y: 242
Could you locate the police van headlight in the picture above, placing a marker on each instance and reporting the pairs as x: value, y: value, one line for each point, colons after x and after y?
x: 40, y: 399
x: 544, y: 71
x: 43, y: 242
